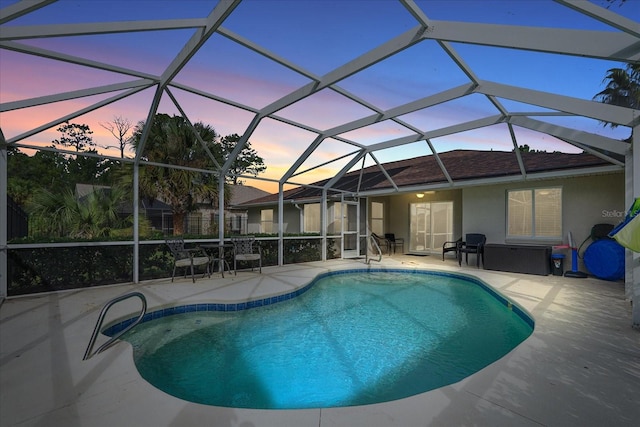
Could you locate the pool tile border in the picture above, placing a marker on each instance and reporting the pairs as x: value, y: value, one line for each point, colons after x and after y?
x: 116, y: 327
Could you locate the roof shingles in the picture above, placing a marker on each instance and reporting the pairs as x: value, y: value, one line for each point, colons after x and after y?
x: 460, y: 165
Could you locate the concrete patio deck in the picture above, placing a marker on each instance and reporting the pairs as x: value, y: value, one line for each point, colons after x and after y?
x: 580, y: 367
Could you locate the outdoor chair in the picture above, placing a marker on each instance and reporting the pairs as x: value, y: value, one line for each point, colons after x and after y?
x: 394, y: 242
x: 473, y: 244
x: 451, y: 246
x: 246, y: 249
x: 187, y: 258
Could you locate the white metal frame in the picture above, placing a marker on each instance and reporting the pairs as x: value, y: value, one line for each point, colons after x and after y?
x: 619, y: 45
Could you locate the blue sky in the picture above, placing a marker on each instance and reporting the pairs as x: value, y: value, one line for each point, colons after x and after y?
x: 317, y: 36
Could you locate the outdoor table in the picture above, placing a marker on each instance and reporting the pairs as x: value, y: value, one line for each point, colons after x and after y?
x: 220, y: 258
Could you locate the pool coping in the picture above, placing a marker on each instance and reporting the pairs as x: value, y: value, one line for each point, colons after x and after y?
x: 116, y: 326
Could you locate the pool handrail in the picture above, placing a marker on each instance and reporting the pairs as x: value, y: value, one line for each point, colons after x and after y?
x: 373, y: 244
x: 88, y: 353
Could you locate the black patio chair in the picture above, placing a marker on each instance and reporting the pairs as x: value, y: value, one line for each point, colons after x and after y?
x: 451, y: 246
x: 394, y: 242
x: 473, y: 244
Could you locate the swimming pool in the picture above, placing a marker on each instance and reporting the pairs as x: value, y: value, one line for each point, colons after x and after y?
x: 349, y: 338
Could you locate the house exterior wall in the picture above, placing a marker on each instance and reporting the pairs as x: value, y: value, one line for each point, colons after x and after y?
x: 386, y: 201
x: 397, y: 211
x: 253, y: 220
x: 291, y: 219
x: 586, y: 201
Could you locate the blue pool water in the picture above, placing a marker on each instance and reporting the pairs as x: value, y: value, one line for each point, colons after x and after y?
x: 351, y: 339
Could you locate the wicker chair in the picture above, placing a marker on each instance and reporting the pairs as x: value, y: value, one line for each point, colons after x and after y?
x: 473, y: 244
x: 451, y: 246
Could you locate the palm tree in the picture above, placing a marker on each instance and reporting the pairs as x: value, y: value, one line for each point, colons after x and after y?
x: 623, y: 88
x: 172, y: 141
x: 63, y: 214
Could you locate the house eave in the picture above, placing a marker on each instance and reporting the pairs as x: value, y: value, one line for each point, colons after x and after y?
x: 569, y: 173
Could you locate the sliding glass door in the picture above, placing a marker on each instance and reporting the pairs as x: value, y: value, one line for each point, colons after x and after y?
x: 431, y: 224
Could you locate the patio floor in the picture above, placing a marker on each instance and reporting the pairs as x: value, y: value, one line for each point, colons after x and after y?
x: 580, y: 367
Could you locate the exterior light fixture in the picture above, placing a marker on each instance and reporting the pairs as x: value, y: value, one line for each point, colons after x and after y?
x: 420, y: 195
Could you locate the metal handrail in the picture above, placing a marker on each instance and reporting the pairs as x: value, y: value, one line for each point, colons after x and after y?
x: 374, y: 245
x: 88, y: 354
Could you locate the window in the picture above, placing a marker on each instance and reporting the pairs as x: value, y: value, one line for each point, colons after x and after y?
x: 266, y: 221
x: 377, y: 218
x: 535, y: 213
x: 311, y: 217
x: 194, y: 223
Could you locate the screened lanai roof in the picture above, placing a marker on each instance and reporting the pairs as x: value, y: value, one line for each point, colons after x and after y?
x: 321, y: 88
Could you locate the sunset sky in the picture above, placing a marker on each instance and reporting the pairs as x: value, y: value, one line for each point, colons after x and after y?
x: 317, y: 36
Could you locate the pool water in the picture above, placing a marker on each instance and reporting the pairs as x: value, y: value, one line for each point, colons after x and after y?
x: 352, y: 339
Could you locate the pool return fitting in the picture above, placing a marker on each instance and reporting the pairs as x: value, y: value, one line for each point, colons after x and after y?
x: 88, y: 354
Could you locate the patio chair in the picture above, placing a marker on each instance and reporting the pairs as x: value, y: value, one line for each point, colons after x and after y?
x: 473, y: 244
x: 451, y: 246
x: 394, y: 242
x: 187, y: 258
x: 246, y: 249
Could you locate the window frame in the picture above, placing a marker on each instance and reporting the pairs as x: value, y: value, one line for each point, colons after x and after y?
x: 535, y: 235
x: 264, y: 222
x: 305, y: 220
x: 377, y: 220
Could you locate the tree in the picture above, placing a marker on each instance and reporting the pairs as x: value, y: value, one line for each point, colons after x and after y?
x: 119, y: 128
x: 526, y: 149
x: 75, y: 135
x: 622, y: 88
x: 80, y: 168
x: 247, y: 161
x: 89, y: 169
x: 26, y: 174
x: 63, y: 214
x: 172, y: 141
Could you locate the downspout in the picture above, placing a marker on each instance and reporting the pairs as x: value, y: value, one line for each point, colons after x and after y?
x: 300, y: 215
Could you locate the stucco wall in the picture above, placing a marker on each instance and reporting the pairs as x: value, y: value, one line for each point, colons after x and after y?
x: 586, y: 201
x: 397, y: 211
x: 482, y: 209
